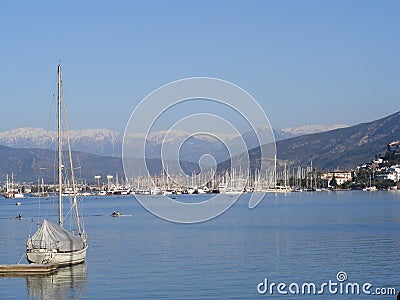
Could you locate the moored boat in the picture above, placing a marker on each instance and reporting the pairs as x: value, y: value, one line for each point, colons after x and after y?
x: 52, y: 243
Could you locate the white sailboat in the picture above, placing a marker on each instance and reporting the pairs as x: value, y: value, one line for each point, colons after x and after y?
x: 52, y: 243
x: 12, y: 192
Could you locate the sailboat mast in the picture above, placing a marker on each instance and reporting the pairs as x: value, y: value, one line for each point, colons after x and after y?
x: 60, y: 216
x: 275, y: 183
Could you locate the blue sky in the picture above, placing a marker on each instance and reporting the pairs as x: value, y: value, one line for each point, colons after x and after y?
x: 305, y: 62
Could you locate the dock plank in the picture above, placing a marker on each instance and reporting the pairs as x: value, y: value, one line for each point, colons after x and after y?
x: 25, y: 269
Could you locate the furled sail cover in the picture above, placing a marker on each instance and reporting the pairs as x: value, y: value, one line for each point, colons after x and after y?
x: 52, y: 236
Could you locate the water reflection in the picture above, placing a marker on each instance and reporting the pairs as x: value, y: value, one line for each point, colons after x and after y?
x: 67, y: 283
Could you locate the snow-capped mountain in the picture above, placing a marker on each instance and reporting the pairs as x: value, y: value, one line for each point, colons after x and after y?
x: 97, y: 141
x: 309, y: 129
x: 107, y: 142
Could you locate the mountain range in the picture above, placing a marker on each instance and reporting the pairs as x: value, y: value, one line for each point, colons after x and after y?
x: 107, y: 142
x: 342, y: 148
x: 102, y: 141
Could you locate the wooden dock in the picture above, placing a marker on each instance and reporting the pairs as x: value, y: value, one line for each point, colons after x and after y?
x: 26, y: 270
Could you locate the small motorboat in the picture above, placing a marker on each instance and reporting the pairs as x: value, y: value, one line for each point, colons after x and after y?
x: 116, y: 214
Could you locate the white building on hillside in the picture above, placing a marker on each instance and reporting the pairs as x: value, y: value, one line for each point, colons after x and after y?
x: 393, y: 173
x: 340, y: 176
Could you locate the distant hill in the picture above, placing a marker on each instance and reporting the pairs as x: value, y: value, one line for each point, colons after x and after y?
x: 343, y: 148
x: 29, y: 165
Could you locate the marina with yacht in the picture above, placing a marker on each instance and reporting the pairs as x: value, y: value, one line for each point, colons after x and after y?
x: 229, y: 183
x: 285, y: 179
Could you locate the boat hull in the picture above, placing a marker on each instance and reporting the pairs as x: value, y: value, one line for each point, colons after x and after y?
x: 42, y: 256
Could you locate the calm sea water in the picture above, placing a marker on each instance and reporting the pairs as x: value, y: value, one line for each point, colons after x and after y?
x: 290, y: 238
